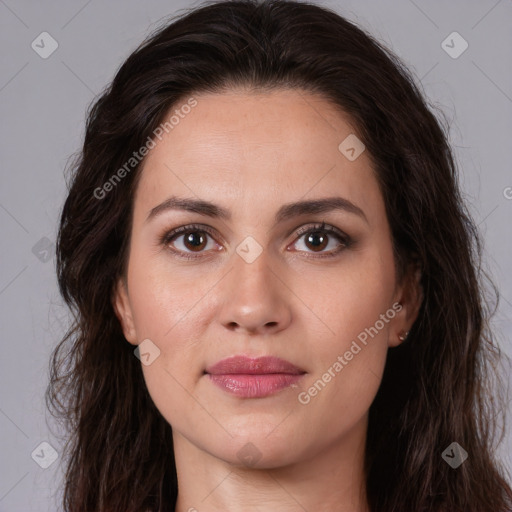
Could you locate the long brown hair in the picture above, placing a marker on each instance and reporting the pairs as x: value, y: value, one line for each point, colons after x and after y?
x: 436, y: 387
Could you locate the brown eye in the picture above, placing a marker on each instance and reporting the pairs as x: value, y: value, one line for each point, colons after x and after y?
x: 187, y: 240
x: 195, y: 240
x: 316, y: 240
x: 320, y: 237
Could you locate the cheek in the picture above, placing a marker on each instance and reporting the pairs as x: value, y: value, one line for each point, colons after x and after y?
x: 355, y: 308
x: 165, y: 313
x: 166, y: 310
x: 158, y: 298
x: 351, y: 297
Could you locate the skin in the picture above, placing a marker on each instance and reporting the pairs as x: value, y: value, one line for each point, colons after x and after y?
x: 251, y: 153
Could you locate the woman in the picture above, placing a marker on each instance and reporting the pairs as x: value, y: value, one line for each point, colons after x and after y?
x: 275, y: 282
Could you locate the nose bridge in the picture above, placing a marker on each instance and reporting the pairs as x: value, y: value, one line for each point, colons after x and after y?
x: 252, y: 270
x: 253, y: 296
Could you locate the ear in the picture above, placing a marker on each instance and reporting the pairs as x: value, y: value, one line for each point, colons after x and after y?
x: 410, y: 296
x: 122, y: 308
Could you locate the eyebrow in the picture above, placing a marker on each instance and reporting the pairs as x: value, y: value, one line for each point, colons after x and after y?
x: 287, y: 211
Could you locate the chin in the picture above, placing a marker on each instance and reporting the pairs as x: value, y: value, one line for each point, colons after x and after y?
x: 258, y: 450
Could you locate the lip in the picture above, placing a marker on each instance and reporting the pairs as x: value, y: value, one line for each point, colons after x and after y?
x: 254, y: 377
x: 253, y: 366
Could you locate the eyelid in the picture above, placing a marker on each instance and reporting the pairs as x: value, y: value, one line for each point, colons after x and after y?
x: 321, y: 227
x: 168, y: 234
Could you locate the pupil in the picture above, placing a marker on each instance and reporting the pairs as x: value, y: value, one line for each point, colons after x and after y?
x: 192, y: 236
x: 316, y: 235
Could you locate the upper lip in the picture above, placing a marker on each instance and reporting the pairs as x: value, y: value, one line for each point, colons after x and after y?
x: 253, y: 366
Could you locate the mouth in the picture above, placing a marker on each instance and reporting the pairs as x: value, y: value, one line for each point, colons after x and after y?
x: 254, y: 377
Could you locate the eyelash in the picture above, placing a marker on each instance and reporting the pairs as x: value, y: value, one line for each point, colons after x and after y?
x: 346, y: 241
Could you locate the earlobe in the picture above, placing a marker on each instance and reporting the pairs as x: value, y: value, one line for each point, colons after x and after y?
x: 411, y: 299
x: 122, y: 308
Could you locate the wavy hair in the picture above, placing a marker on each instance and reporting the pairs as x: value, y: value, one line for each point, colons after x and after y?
x: 437, y: 386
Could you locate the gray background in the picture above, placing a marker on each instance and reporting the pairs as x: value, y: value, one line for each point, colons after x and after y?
x: 42, y: 109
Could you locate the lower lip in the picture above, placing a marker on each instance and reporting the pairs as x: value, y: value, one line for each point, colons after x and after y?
x: 254, y: 386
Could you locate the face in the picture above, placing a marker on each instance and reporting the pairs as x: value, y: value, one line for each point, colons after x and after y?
x: 254, y: 274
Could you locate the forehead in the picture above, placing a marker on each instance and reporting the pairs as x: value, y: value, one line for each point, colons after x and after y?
x: 270, y: 147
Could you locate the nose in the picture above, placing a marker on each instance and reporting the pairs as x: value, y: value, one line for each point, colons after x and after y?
x: 255, y: 298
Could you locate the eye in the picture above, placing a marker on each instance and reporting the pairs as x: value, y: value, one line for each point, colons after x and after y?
x: 194, y: 239
x: 319, y: 237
